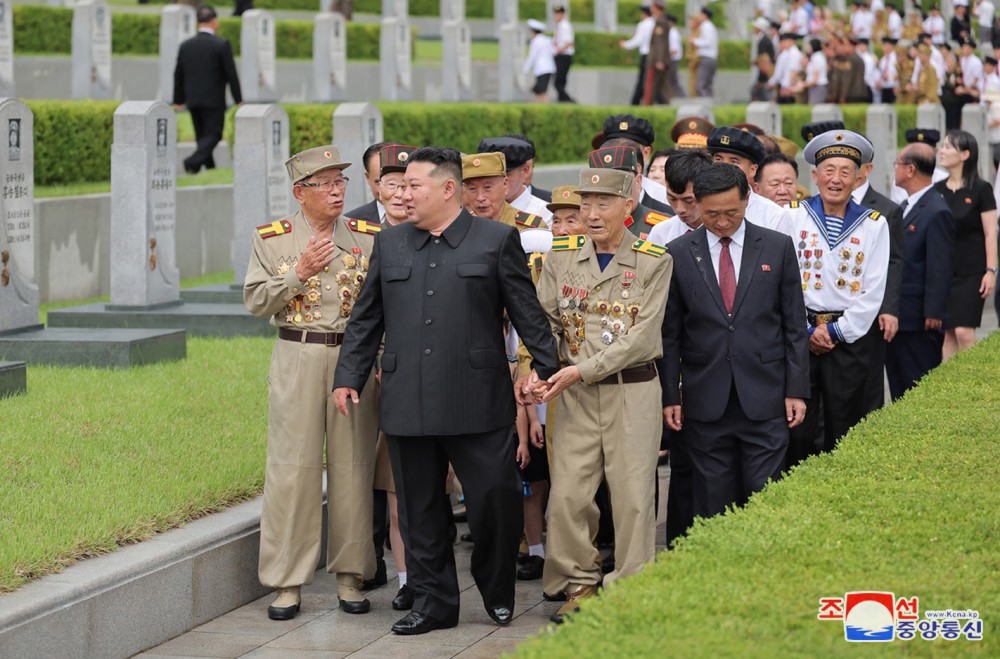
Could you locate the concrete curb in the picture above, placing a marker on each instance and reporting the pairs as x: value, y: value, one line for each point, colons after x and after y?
x: 139, y: 596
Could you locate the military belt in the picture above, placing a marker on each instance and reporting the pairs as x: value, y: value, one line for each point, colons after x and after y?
x: 817, y: 318
x: 303, y: 336
x: 632, y: 374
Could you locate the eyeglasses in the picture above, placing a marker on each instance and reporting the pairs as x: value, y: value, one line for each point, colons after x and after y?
x: 326, y: 186
x: 392, y: 186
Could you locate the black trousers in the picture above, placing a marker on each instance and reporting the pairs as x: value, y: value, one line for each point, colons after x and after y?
x: 875, y: 387
x: 208, y: 123
x: 485, y: 464
x: 563, y: 63
x: 888, y: 96
x: 838, y: 383
x: 380, y: 527
x: 680, y: 502
x: 909, y: 357
x: 640, y: 83
x: 733, y: 457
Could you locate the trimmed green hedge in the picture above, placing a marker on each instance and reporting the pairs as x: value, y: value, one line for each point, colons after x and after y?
x: 72, y: 140
x: 907, y: 504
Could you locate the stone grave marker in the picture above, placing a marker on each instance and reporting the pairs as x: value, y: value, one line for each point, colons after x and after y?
x: 6, y: 49
x: 91, y: 50
x: 18, y: 293
x: 330, y: 58
x: 606, y: 15
x: 456, y: 63
x: 396, y: 9
x: 504, y: 13
x: 513, y: 84
x: 882, y: 129
x: 258, y: 78
x: 452, y: 10
x: 765, y: 115
x: 178, y: 23
x: 356, y: 126
x: 394, y: 60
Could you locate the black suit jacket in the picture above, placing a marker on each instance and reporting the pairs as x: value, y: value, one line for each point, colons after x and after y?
x: 928, y: 263
x: 762, y: 347
x: 439, y: 302
x: 894, y: 279
x: 367, y: 212
x: 204, y: 66
x: 544, y: 195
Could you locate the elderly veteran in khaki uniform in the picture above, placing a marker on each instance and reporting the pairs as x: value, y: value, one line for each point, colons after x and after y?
x: 305, y: 274
x: 484, y: 192
x: 627, y: 159
x: 605, y: 295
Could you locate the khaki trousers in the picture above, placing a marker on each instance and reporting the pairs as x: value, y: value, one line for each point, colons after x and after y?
x: 301, y: 420
x: 612, y: 431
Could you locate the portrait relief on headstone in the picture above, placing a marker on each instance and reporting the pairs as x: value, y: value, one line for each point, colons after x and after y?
x: 18, y: 293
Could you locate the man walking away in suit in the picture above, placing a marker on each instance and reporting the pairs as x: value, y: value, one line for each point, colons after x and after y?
x: 204, y: 67
x: 734, y: 331
x: 928, y: 259
x: 437, y: 288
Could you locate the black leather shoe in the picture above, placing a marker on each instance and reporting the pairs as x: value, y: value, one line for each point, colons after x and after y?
x: 403, y: 601
x: 420, y: 623
x: 501, y: 615
x: 347, y: 606
x: 282, y: 612
x: 608, y: 564
x: 558, y: 597
x: 467, y: 536
x: 378, y: 580
x: 532, y: 569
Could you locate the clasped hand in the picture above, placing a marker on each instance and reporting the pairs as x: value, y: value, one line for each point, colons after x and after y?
x: 530, y: 389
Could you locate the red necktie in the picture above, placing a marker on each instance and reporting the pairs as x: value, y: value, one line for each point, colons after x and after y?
x: 727, y: 275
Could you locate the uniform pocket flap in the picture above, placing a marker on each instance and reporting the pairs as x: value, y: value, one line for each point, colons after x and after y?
x: 388, y: 362
x: 473, y: 270
x: 772, y: 354
x: 396, y: 272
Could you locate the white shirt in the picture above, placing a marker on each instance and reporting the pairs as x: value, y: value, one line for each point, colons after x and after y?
x: 657, y: 191
x: 984, y: 14
x: 798, y: 22
x: 563, y: 36
x: 872, y: 73
x: 858, y: 193
x: 529, y: 203
x: 912, y: 199
x: 860, y: 305
x: 707, y: 41
x: 888, y: 73
x: 735, y: 249
x: 894, y: 25
x: 540, y: 60
x: 972, y: 71
x: 643, y: 33
x: 380, y: 209
x: 934, y: 26
x: 674, y: 44
x: 667, y: 230
x: 787, y: 66
x: 862, y: 22
x: 817, y: 68
x: 765, y: 213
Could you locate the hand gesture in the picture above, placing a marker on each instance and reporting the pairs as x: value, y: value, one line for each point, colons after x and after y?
x: 317, y: 255
x: 340, y: 395
x: 820, y: 342
x: 795, y: 411
x: 673, y: 415
x: 561, y: 381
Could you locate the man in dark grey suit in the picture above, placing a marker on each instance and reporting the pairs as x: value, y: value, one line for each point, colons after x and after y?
x: 436, y: 289
x: 739, y: 343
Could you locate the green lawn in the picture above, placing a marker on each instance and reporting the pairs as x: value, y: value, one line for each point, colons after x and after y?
x: 431, y: 50
x: 221, y: 176
x: 94, y: 459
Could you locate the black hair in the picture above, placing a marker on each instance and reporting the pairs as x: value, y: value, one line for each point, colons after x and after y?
x: 206, y: 13
x: 964, y: 141
x: 662, y: 153
x: 720, y: 177
x: 371, y: 152
x: 772, y: 158
x: 624, y: 141
x: 922, y: 159
x: 446, y: 160
x: 816, y: 45
x: 684, y: 166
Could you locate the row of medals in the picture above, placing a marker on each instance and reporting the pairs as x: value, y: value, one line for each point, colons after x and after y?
x: 812, y: 261
x: 616, y: 317
x: 307, y: 307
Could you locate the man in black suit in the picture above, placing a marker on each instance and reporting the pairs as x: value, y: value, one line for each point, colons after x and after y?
x: 437, y: 288
x: 373, y: 211
x: 929, y: 244
x: 204, y: 67
x: 737, y: 341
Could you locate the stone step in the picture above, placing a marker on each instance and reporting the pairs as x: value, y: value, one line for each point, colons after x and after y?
x: 13, y: 379
x: 217, y: 294
x: 225, y: 320
x: 100, y: 348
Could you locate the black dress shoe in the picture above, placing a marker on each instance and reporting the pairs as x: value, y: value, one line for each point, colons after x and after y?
x: 467, y: 536
x: 347, y: 606
x: 403, y: 601
x: 532, y: 569
x: 558, y: 597
x: 191, y: 170
x: 378, y: 580
x: 421, y: 623
x: 501, y: 615
x: 282, y: 612
x: 522, y: 558
x: 608, y: 564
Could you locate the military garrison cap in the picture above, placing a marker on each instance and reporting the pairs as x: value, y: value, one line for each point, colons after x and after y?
x: 565, y: 196
x: 516, y: 152
x: 481, y: 165
x: 394, y: 158
x: 625, y: 125
x: 312, y: 161
x: 929, y: 136
x: 621, y: 157
x: 838, y: 144
x: 727, y: 139
x: 606, y: 181
x: 691, y: 132
x: 785, y: 145
x: 811, y: 131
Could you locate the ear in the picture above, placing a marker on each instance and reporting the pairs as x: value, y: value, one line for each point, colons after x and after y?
x: 299, y: 193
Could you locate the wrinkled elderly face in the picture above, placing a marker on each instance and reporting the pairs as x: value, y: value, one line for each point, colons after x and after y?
x: 835, y: 179
x: 390, y: 192
x: 567, y: 222
x: 485, y: 196
x: 322, y: 195
x: 777, y: 183
x: 604, y: 216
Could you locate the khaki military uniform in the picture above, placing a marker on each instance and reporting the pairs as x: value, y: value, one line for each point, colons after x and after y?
x: 520, y: 220
x: 301, y: 414
x: 608, y: 324
x: 927, y: 86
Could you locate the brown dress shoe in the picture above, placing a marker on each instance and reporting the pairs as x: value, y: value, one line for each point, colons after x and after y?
x: 574, y: 594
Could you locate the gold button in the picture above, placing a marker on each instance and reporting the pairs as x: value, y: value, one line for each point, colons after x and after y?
x: 326, y: 269
x: 295, y: 290
x: 597, y: 288
x: 328, y: 287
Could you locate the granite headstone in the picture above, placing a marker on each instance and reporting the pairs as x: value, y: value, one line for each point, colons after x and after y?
x: 931, y: 115
x: 827, y: 112
x: 91, y: 50
x: 513, y: 84
x: 356, y: 126
x: 396, y: 9
x: 452, y: 10
x: 504, y: 13
x: 178, y: 23
x: 18, y: 293
x: 258, y: 77
x: 143, y: 206
x: 330, y: 58
x: 606, y: 15
x: 456, y: 62
x: 976, y: 122
x: 882, y: 130
x: 394, y: 60
x: 261, y: 191
x: 765, y: 115
x: 6, y: 49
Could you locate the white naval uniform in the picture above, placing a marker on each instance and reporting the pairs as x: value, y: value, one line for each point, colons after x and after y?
x: 857, y: 291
